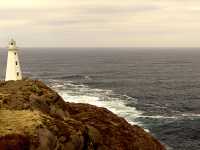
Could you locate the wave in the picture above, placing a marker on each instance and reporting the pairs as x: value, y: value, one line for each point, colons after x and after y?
x: 160, y: 117
x: 118, y: 104
x: 74, y: 77
x: 174, y: 117
x: 191, y: 115
x: 79, y: 93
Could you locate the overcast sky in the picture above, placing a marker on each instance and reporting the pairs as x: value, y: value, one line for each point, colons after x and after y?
x: 100, y: 23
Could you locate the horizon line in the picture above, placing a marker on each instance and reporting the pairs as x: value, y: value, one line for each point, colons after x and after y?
x: 103, y: 47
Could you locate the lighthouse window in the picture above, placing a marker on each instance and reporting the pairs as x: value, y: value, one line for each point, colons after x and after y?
x: 17, y: 73
x: 16, y: 63
x: 15, y: 53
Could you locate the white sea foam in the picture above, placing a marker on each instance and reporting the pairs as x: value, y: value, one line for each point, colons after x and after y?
x: 190, y: 115
x: 160, y: 117
x: 99, y: 97
x: 79, y: 93
x: 178, y: 116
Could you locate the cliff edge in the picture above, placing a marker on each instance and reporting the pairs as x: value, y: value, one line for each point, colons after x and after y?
x: 34, y: 117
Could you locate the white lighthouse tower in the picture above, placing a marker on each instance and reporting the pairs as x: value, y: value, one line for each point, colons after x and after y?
x: 13, y: 71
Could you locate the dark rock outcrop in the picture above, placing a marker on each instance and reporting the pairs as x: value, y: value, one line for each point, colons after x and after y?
x: 32, y: 116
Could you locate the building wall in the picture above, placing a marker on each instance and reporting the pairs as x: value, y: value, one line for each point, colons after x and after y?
x: 13, y: 71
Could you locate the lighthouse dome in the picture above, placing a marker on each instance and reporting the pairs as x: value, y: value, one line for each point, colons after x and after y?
x: 12, y: 44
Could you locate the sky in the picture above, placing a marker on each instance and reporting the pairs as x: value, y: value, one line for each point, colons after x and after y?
x: 100, y: 23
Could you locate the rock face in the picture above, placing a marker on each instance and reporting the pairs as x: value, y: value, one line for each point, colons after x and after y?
x: 34, y: 117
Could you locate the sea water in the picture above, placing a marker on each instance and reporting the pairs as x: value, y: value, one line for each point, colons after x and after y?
x: 156, y: 88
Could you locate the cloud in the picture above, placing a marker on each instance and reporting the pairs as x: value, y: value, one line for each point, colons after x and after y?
x: 93, y: 14
x: 106, y: 23
x: 134, y: 8
x: 74, y: 21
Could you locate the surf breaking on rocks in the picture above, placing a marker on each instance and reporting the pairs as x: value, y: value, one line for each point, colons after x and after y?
x: 79, y: 93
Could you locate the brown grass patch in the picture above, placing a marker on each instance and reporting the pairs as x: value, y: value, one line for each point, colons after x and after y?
x: 19, y: 122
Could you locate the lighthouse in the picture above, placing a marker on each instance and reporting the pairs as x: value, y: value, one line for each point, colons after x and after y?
x: 13, y: 70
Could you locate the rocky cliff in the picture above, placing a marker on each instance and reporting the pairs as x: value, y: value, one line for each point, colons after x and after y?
x: 34, y: 117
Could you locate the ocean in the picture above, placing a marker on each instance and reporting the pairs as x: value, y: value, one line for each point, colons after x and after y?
x: 155, y: 88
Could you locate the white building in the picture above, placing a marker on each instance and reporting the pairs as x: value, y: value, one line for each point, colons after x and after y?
x: 13, y: 70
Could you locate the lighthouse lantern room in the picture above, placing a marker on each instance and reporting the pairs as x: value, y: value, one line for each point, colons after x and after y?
x: 13, y: 70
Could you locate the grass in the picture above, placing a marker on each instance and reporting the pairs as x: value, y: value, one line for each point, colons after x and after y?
x: 36, y: 89
x: 19, y: 122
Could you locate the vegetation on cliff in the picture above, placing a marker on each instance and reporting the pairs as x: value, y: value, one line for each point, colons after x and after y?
x: 32, y: 116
